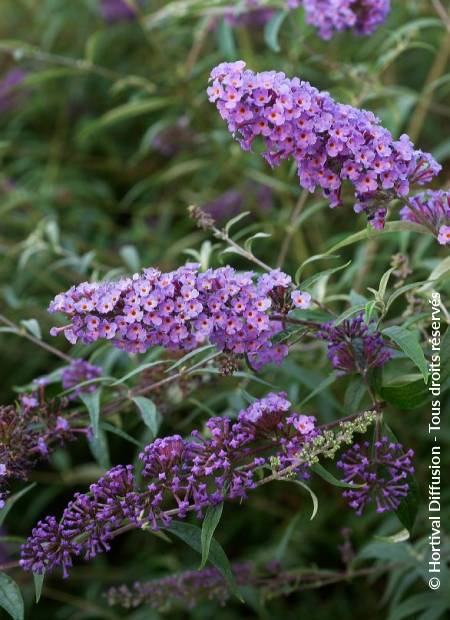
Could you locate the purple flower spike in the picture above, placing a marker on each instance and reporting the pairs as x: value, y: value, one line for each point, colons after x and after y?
x: 331, y: 143
x: 180, y: 311
x: 383, y: 474
x: 180, y: 476
x: 330, y: 16
x: 430, y: 209
x: 354, y: 346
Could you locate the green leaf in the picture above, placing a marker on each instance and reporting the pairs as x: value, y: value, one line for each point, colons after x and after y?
x: 401, y: 536
x: 349, y: 313
x: 99, y: 449
x: 130, y: 257
x: 10, y: 597
x: 314, y: 499
x: 12, y: 500
x: 425, y: 601
x: 369, y: 309
x: 407, y: 341
x: 38, y: 583
x: 91, y: 401
x: 226, y: 40
x: 210, y: 522
x: 354, y: 394
x: 248, y: 242
x: 139, y: 369
x: 328, y: 272
x: 190, y: 355
x: 235, y: 220
x: 409, y: 506
x: 442, y: 269
x: 272, y: 29
x: 149, y: 413
x: 309, y: 260
x: 405, y: 392
x: 106, y: 426
x: 281, y: 548
x: 369, y: 233
x: 403, y: 289
x: 384, y: 282
x: 191, y: 535
x: 326, y: 475
x: 32, y: 326
x: 320, y: 388
x: 123, y: 113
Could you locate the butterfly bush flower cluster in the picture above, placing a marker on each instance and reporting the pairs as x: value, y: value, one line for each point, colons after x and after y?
x: 330, y: 16
x: 331, y: 143
x: 430, y: 209
x: 181, y: 475
x: 79, y: 371
x: 354, y: 345
x: 27, y: 435
x: 383, y: 474
x: 181, y: 310
x: 185, y: 589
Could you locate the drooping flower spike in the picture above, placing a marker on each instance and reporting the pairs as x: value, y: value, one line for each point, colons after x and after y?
x: 332, y: 144
x: 181, y: 310
x: 185, y: 589
x: 181, y: 475
x: 187, y: 475
x: 431, y: 209
x: 190, y: 587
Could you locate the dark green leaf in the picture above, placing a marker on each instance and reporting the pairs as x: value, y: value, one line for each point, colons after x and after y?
x: 210, y: 522
x: 314, y: 499
x: 405, y: 392
x: 407, y: 340
x: 10, y: 597
x: 191, y: 535
x: 370, y: 233
x: 106, y: 426
x: 38, y: 583
x: 318, y: 469
x: 139, y: 369
x: 12, y: 500
x: 149, y: 413
x: 92, y: 403
x: 99, y: 449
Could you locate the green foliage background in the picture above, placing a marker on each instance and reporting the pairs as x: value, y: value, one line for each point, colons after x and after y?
x: 92, y: 196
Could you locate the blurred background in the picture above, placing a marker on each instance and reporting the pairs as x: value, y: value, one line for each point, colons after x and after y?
x: 107, y: 137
